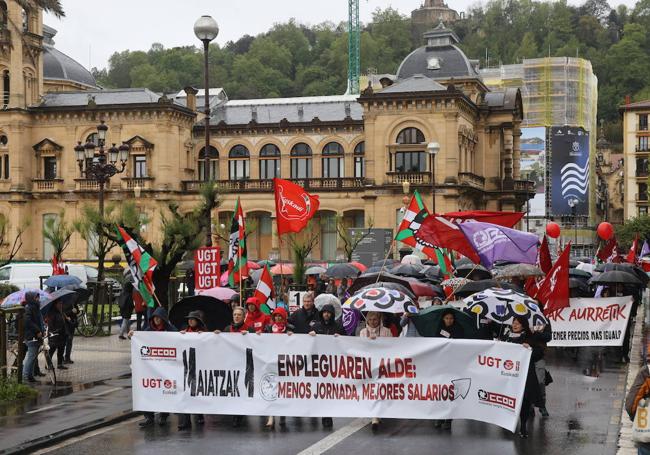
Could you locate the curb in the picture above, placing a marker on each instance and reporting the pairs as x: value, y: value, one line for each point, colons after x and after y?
x: 61, y: 436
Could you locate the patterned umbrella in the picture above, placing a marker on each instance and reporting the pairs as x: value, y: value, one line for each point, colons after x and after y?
x: 18, y: 297
x: 454, y: 282
x: 383, y: 300
x: 502, y: 305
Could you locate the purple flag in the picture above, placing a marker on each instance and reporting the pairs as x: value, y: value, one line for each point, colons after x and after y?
x: 645, y: 250
x: 493, y: 243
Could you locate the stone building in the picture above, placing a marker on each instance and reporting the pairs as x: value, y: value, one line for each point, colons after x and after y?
x: 430, y: 14
x: 636, y: 150
x: 356, y: 153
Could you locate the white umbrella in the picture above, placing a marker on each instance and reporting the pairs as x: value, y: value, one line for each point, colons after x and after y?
x: 323, y: 299
x: 315, y: 270
x: 412, y: 259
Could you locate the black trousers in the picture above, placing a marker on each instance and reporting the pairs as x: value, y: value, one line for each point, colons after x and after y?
x: 59, y: 349
x: 68, y: 347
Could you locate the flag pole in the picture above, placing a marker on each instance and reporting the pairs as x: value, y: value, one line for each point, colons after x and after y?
x: 453, y: 291
x: 240, y: 270
x: 385, y: 259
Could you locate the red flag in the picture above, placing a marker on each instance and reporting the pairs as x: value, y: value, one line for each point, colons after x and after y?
x: 438, y: 231
x: 531, y: 286
x: 605, y: 255
x: 553, y: 292
x: 264, y: 291
x: 57, y: 267
x: 544, y: 258
x: 505, y: 219
x: 631, y: 256
x: 294, y: 207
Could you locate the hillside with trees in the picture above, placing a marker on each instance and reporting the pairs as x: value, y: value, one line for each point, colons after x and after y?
x: 293, y: 59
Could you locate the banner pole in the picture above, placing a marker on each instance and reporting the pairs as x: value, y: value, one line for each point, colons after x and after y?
x: 453, y: 291
x: 385, y: 259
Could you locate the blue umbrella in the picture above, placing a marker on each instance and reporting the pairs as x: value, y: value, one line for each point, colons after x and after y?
x: 18, y: 297
x: 59, y: 281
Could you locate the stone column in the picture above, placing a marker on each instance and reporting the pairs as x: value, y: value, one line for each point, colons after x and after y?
x: 517, y: 155
x: 508, y: 142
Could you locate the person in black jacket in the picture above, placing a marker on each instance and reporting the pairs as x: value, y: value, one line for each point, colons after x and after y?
x: 34, y: 328
x: 327, y: 325
x: 449, y: 329
x: 58, y: 332
x: 72, y: 321
x: 520, y: 333
x: 306, y: 317
x: 126, y: 305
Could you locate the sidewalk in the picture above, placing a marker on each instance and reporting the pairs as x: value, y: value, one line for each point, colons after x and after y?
x: 94, y: 391
x: 625, y: 443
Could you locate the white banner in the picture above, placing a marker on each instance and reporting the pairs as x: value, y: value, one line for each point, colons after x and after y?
x: 591, y: 322
x: 300, y: 375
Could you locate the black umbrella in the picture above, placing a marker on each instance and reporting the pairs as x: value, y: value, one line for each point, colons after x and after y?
x: 217, y: 314
x: 66, y: 296
x: 473, y: 272
x: 373, y: 269
x: 432, y: 272
x: 342, y: 271
x: 462, y: 261
x: 478, y: 286
x: 384, y: 277
x: 580, y: 285
x: 625, y: 267
x: 616, y: 277
x: 577, y: 273
x: 389, y: 263
x: 407, y: 270
x: 573, y: 263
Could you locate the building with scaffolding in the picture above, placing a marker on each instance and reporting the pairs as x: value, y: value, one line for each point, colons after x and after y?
x: 560, y: 98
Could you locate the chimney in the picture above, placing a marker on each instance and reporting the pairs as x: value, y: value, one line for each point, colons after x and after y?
x: 348, y: 110
x: 254, y: 114
x: 191, y: 97
x: 301, y: 112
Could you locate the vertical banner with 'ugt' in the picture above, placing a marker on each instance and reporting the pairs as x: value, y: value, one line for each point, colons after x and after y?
x: 206, y: 268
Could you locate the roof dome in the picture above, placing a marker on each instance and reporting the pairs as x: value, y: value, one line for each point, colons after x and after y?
x: 58, y: 66
x: 439, y: 59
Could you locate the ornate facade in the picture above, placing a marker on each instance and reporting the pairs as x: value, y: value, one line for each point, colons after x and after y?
x: 359, y: 154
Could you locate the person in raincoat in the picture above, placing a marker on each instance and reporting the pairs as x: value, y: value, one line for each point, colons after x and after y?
x: 58, y: 332
x: 255, y: 320
x: 158, y: 322
x: 195, y: 324
x: 34, y: 330
x: 126, y: 305
x: 450, y: 329
x: 306, y: 317
x: 520, y: 333
x: 279, y: 325
x: 375, y: 329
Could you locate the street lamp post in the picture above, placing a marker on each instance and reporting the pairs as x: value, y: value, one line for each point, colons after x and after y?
x: 432, y: 149
x: 206, y: 30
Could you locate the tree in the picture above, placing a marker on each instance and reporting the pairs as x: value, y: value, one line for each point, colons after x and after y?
x: 50, y: 6
x: 351, y: 241
x: 10, y: 247
x: 58, y: 232
x: 625, y: 233
x: 301, y: 245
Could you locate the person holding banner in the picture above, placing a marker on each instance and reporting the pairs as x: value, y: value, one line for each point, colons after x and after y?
x: 374, y: 328
x: 195, y: 324
x: 305, y: 318
x: 449, y: 329
x: 238, y: 322
x: 520, y: 333
x: 158, y: 322
x: 279, y: 326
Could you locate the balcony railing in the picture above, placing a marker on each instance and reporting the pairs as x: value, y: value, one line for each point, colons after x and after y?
x: 414, y: 178
x: 524, y: 185
x: 253, y: 186
x: 641, y: 173
x: 47, y: 184
x: 131, y: 183
x: 642, y: 149
x: 87, y: 185
x: 473, y: 180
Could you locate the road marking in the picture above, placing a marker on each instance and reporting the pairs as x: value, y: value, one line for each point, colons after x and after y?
x: 44, y: 408
x: 83, y: 437
x: 339, y: 435
x: 106, y: 392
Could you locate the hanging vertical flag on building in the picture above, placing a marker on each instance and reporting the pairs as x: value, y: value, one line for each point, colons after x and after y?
x: 407, y: 231
x: 237, y: 255
x: 141, y: 264
x: 631, y: 256
x: 294, y: 206
x: 544, y: 257
x: 265, y: 292
x: 553, y: 292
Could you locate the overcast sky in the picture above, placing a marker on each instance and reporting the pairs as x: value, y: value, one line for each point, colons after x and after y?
x: 93, y: 30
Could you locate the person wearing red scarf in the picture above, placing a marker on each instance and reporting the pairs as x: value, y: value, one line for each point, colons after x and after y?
x: 279, y: 325
x: 195, y: 324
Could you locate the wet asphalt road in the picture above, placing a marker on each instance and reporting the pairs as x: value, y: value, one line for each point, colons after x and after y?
x: 585, y: 415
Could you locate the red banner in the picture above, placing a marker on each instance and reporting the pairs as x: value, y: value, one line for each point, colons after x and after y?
x: 206, y: 268
x: 505, y: 219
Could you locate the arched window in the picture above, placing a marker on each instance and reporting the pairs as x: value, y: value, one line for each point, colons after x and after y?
x: 3, y: 15
x: 269, y: 162
x: 239, y: 163
x: 359, y: 164
x: 25, y: 15
x: 410, y: 159
x: 213, y: 157
x: 410, y: 136
x: 333, y: 164
x: 301, y: 161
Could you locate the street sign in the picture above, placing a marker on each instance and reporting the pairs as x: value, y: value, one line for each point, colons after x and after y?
x: 374, y: 247
x: 206, y: 268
